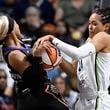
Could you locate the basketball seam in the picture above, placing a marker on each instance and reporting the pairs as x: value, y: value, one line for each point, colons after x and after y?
x: 50, y: 58
x: 56, y: 54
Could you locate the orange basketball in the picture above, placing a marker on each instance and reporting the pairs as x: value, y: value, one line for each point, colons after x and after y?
x: 50, y: 61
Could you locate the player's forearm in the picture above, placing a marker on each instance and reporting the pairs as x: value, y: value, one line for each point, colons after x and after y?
x: 74, y: 52
x: 68, y: 68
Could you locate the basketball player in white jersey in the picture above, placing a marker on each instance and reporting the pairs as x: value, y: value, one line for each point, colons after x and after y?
x: 93, y: 70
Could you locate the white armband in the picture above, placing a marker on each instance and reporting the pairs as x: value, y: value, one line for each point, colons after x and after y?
x: 74, y: 52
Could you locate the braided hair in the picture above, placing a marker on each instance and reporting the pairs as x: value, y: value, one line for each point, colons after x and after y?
x: 105, y: 15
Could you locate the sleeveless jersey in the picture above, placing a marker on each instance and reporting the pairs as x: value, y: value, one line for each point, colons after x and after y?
x: 39, y: 79
x: 93, y: 81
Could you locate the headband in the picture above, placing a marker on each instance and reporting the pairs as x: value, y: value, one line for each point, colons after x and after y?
x: 11, y: 24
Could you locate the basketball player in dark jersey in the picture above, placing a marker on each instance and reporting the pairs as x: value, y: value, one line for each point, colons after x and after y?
x: 34, y: 89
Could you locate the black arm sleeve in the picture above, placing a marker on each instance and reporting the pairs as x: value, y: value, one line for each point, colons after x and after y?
x: 34, y: 75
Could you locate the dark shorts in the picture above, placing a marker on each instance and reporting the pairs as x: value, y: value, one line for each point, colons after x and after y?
x: 48, y: 99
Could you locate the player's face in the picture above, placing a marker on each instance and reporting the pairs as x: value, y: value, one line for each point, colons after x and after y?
x: 95, y: 25
x: 17, y: 30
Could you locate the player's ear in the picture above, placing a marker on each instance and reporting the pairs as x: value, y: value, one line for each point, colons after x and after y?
x: 107, y: 27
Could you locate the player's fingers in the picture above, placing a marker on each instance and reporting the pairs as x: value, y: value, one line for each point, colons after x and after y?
x: 38, y: 46
x: 40, y: 41
x: 47, y: 47
x: 46, y: 38
x: 51, y: 45
x: 37, y: 43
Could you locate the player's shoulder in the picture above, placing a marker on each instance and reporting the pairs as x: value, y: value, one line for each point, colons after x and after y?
x: 15, y: 53
x: 102, y: 35
x: 17, y: 60
x: 15, y: 56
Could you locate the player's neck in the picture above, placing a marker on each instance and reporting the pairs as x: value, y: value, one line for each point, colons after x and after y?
x: 9, y: 41
x: 88, y: 39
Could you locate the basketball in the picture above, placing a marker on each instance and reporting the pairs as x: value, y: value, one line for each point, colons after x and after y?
x: 51, y: 60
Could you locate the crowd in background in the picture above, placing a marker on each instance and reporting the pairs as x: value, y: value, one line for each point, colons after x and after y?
x: 66, y: 19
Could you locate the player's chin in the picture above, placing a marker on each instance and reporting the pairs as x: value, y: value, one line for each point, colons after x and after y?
x: 91, y: 34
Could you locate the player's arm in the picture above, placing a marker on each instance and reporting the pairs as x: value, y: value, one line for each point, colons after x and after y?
x: 18, y: 61
x: 28, y: 69
x: 97, y: 44
x: 100, y: 41
x: 69, y: 68
x: 72, y: 51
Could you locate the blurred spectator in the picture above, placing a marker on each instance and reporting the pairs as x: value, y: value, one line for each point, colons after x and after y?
x: 14, y: 8
x: 49, y: 28
x: 46, y: 8
x: 52, y: 1
x: 69, y: 95
x: 7, y: 7
x: 6, y: 99
x: 64, y: 33
x: 3, y: 82
x: 32, y: 26
x: 76, y: 14
x: 1, y: 56
x: 20, y: 9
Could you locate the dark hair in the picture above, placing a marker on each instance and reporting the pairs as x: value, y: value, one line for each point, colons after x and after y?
x: 104, y: 13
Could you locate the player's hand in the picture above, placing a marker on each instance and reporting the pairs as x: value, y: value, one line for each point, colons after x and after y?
x: 38, y: 49
x: 41, y: 44
x: 43, y: 39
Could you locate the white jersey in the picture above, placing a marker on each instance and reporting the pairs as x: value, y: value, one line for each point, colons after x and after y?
x: 93, y: 81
